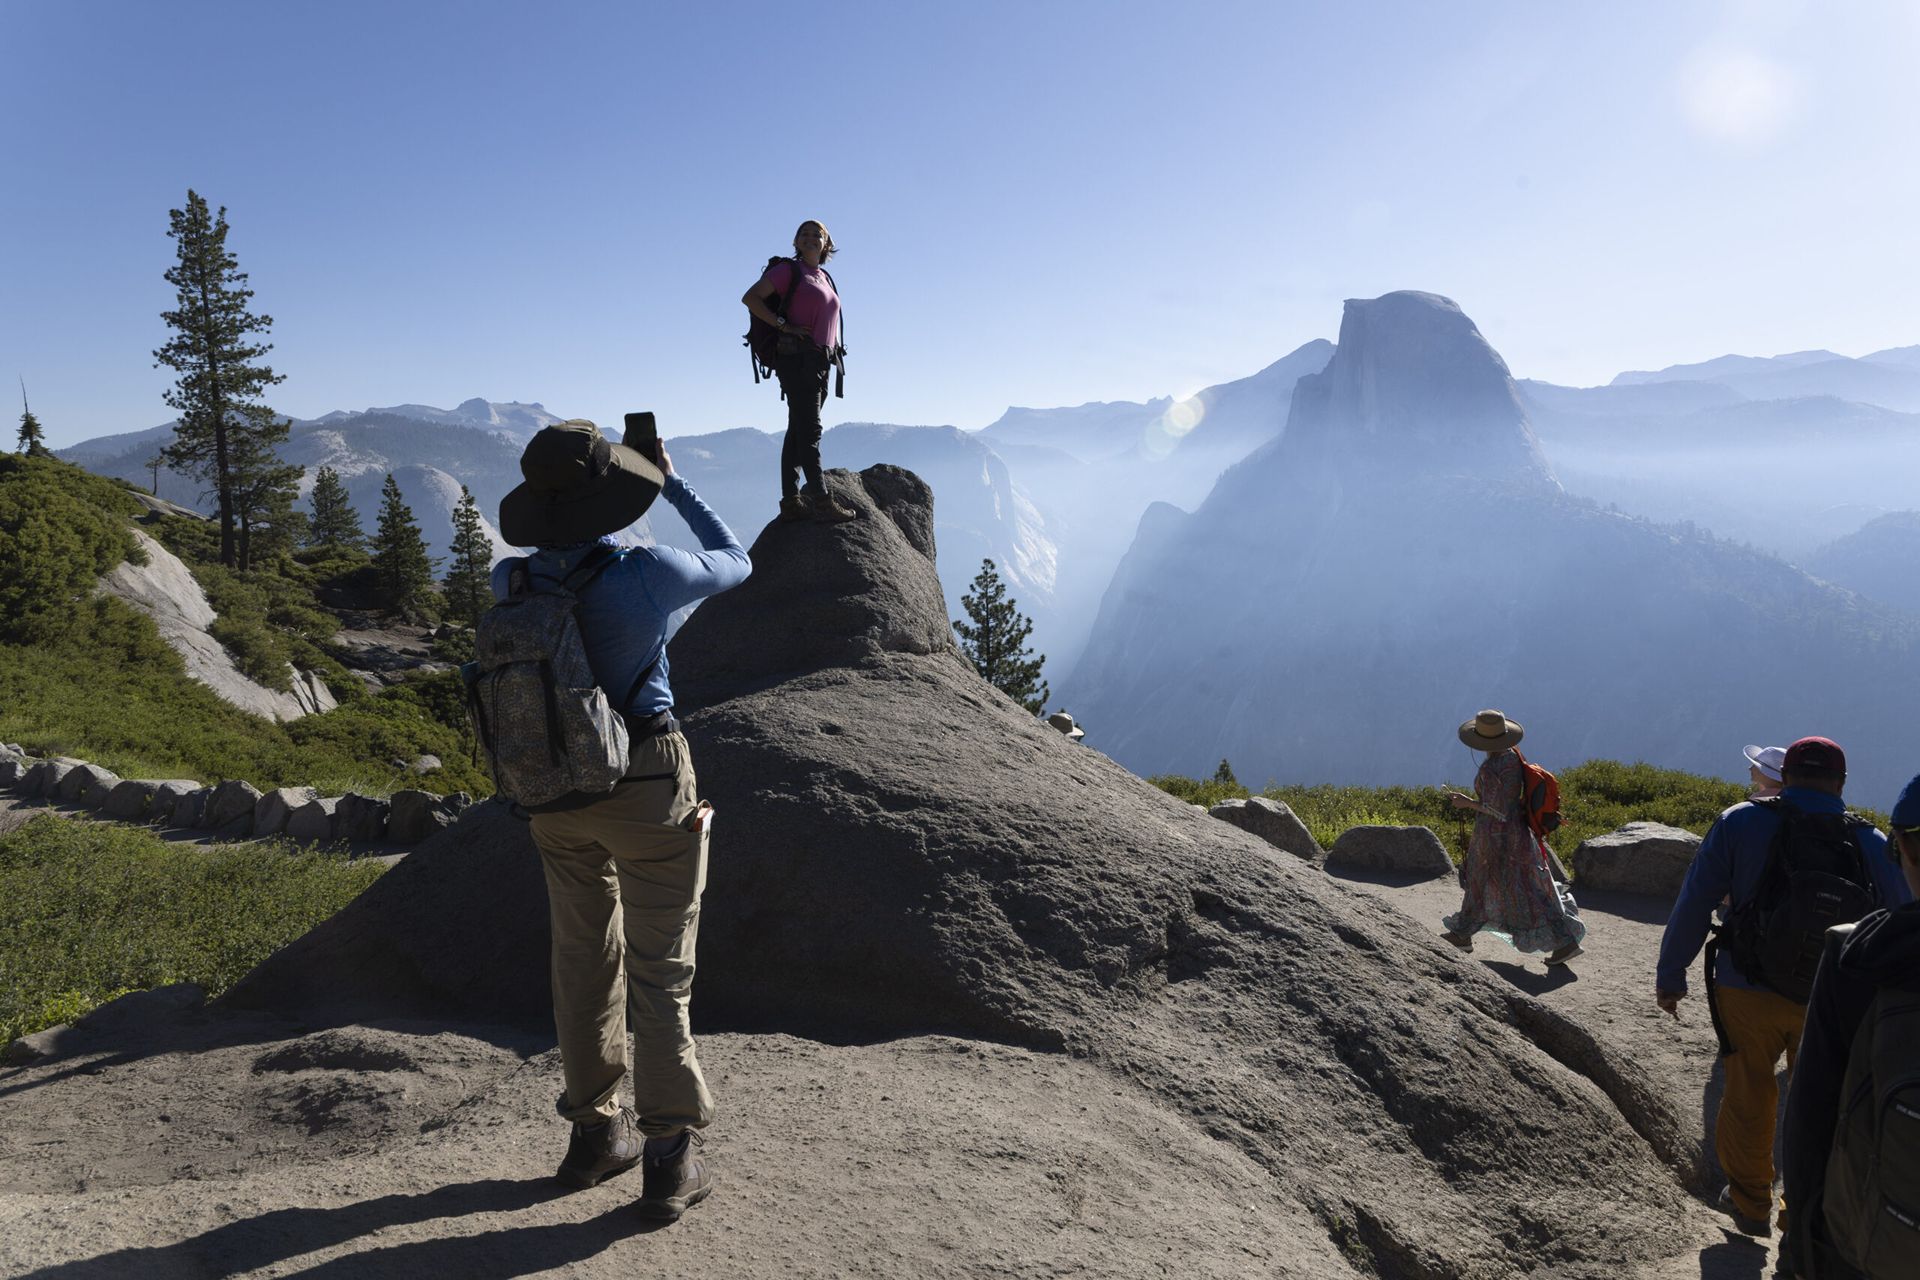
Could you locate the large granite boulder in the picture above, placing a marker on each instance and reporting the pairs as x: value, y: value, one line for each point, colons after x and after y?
x: 361, y: 819
x: 167, y: 795
x: 412, y: 816
x: 900, y: 849
x: 188, y: 809
x: 42, y: 781
x: 13, y: 770
x: 271, y: 811
x: 130, y: 800
x: 1272, y: 821
x: 83, y: 780
x: 1409, y: 851
x: 1641, y: 857
x: 313, y: 822
x: 229, y: 806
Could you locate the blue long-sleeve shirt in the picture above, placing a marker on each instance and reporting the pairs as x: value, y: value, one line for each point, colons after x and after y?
x: 1728, y: 864
x: 625, y: 611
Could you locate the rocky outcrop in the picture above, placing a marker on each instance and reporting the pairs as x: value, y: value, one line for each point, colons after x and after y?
x: 901, y: 849
x: 164, y: 589
x: 1641, y: 857
x: 271, y: 811
x: 1409, y: 851
x: 1272, y: 821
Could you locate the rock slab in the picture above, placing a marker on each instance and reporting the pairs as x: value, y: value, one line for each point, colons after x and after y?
x: 1402, y: 850
x: 1274, y: 822
x: 1641, y: 857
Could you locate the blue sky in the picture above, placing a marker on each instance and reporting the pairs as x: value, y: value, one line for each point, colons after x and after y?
x: 1037, y: 203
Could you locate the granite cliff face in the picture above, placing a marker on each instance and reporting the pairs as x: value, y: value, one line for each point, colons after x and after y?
x: 899, y: 849
x: 1402, y: 556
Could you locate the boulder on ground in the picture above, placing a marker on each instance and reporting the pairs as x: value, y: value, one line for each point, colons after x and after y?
x: 313, y: 822
x: 1274, y: 822
x: 231, y: 801
x: 1405, y: 850
x: 189, y: 808
x: 167, y: 795
x: 129, y: 800
x: 271, y: 811
x: 1641, y: 857
x: 360, y: 819
x: 13, y: 771
x: 425, y: 764
x: 43, y: 779
x: 82, y: 779
x: 412, y: 816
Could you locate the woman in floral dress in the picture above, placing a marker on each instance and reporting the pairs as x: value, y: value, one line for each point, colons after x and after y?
x: 1509, y: 891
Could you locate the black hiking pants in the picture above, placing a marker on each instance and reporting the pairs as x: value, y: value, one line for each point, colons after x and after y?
x: 803, y: 380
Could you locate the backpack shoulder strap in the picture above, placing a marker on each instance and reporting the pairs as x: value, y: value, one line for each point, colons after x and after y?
x: 590, y: 567
x: 793, y: 282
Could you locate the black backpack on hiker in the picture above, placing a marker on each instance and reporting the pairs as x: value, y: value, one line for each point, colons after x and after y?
x: 1872, y: 1194
x: 763, y: 340
x: 1815, y: 877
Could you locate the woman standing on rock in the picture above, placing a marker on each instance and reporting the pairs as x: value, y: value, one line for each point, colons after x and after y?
x: 1509, y: 890
x: 798, y: 299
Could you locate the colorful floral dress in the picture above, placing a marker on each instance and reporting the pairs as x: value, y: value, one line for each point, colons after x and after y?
x: 1509, y: 891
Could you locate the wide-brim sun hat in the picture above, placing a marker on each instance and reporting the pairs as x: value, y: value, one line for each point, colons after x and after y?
x: 1064, y: 723
x: 1491, y: 731
x: 579, y: 486
x: 1767, y: 760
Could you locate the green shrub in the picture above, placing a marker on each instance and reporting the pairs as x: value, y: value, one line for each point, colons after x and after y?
x: 60, y: 529
x: 92, y: 910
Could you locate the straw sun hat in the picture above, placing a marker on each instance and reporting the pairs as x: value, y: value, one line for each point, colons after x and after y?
x: 1491, y: 731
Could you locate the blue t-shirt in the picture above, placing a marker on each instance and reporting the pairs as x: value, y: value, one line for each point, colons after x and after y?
x: 624, y: 613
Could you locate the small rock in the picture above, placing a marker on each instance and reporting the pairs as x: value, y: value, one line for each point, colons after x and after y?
x: 313, y: 822
x: 167, y: 796
x: 231, y: 800
x: 361, y: 819
x: 84, y: 780
x: 130, y: 800
x: 34, y: 1047
x: 425, y: 764
x: 1273, y: 822
x: 1641, y: 857
x: 1406, y: 850
x: 271, y: 811
x: 188, y: 809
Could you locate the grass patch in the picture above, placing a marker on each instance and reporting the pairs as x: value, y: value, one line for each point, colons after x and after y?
x: 1595, y: 797
x: 92, y: 910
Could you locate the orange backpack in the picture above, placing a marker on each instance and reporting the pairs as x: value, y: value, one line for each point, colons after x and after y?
x: 1540, y: 796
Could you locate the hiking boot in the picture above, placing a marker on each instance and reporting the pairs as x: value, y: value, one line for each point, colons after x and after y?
x: 1464, y: 941
x: 601, y: 1151
x: 796, y: 507
x: 1759, y: 1228
x: 828, y: 509
x: 1565, y: 954
x: 676, y: 1179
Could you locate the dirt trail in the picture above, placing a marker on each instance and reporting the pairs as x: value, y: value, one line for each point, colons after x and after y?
x: 239, y: 1148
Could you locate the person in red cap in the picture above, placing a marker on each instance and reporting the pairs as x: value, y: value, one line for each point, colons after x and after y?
x: 1758, y: 854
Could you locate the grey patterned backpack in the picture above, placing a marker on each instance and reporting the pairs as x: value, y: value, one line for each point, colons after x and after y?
x: 553, y: 739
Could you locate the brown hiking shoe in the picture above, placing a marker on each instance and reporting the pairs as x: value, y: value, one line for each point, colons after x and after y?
x: 796, y: 507
x: 676, y: 1183
x: 828, y: 509
x: 601, y: 1151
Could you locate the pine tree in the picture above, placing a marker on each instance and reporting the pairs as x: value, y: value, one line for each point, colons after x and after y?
x: 996, y: 641
x: 334, y: 522
x: 403, y: 571
x: 468, y: 583
x: 33, y: 441
x: 221, y: 379
x: 264, y: 490
x: 1224, y: 774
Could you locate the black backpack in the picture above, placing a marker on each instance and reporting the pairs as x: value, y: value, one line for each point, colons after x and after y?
x: 763, y: 340
x: 1872, y: 1195
x: 1815, y: 877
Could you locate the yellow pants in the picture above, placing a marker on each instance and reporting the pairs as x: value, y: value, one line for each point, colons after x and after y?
x: 1761, y: 1025
x: 624, y: 878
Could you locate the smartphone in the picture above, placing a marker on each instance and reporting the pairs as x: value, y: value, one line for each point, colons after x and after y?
x: 642, y: 434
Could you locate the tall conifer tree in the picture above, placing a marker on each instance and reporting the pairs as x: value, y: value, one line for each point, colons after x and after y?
x: 468, y: 587
x: 33, y: 442
x: 334, y: 522
x: 217, y: 394
x: 996, y: 641
x: 402, y: 568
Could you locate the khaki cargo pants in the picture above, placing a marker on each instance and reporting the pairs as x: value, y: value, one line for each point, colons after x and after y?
x: 1762, y: 1027
x: 624, y: 877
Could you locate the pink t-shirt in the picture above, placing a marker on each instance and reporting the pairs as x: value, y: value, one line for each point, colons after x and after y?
x: 814, y: 304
